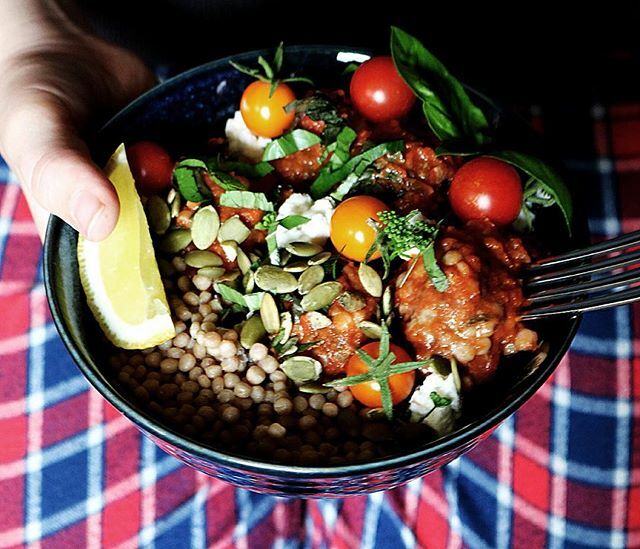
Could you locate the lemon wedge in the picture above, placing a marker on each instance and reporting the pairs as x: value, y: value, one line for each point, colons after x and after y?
x: 120, y: 274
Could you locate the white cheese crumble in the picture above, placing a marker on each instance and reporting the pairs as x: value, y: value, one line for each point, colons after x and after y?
x: 441, y: 419
x: 316, y: 230
x: 243, y: 143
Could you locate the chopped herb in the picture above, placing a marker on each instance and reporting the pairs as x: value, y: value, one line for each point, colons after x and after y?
x: 356, y: 165
x: 341, y: 147
x: 246, y: 199
x: 380, y: 369
x: 226, y: 181
x: 320, y: 108
x: 252, y: 171
x: 188, y: 177
x: 253, y: 301
x: 293, y: 221
x: 289, y: 143
x: 401, y: 235
x: 439, y: 401
x: 231, y: 295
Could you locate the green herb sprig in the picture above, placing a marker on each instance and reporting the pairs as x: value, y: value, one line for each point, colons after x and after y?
x: 398, y: 235
x: 270, y: 223
x: 268, y: 72
x: 380, y: 369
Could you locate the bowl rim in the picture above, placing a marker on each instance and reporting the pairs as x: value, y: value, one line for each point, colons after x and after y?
x: 148, y: 425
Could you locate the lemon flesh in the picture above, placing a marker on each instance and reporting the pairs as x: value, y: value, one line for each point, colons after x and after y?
x: 120, y: 274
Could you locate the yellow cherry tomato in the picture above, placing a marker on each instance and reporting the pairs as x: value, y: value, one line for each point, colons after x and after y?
x: 265, y: 116
x: 351, y: 232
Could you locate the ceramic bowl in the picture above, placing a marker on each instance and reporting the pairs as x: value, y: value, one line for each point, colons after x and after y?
x: 182, y: 113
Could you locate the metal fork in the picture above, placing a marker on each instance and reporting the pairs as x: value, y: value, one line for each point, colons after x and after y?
x: 599, y: 276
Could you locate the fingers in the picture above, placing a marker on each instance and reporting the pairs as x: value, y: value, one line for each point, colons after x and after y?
x: 40, y: 144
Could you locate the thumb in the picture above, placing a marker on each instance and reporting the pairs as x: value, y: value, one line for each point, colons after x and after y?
x: 54, y: 166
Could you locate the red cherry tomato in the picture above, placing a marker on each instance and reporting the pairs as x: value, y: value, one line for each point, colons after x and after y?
x: 151, y: 166
x: 263, y: 113
x: 351, y: 233
x: 486, y: 188
x: 378, y: 92
x: 368, y: 393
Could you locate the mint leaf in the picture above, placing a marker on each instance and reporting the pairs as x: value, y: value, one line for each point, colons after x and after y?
x: 246, y: 199
x: 188, y: 177
x: 293, y: 221
x: 231, y: 295
x: 438, y: 278
x: 289, y: 143
x: 226, y: 181
x: 328, y: 178
x: 252, y: 171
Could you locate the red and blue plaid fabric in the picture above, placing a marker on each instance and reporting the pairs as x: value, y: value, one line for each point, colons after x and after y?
x: 564, y: 471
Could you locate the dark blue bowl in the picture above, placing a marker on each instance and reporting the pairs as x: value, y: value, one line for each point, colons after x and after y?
x: 182, y: 113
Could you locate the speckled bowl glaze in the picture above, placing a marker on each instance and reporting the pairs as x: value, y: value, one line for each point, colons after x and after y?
x: 181, y: 114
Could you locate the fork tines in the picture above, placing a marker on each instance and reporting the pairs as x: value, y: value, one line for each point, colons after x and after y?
x: 562, y: 284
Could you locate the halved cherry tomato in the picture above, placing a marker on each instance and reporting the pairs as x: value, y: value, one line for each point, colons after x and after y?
x: 264, y: 115
x: 486, y: 188
x: 368, y: 393
x: 151, y: 166
x: 378, y: 91
x: 351, y: 233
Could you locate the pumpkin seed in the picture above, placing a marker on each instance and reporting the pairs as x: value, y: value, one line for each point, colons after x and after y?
x: 303, y: 249
x: 171, y: 195
x: 285, y: 256
x: 205, y: 226
x: 286, y: 325
x: 370, y: 329
x: 292, y: 350
x: 296, y: 267
x: 244, y: 263
x: 158, y: 215
x: 212, y: 272
x: 233, y: 229
x: 314, y: 388
x: 252, y: 331
x: 229, y: 276
x: 276, y: 280
x: 230, y: 249
x: 310, y: 278
x: 254, y: 257
x: 175, y: 241
x: 352, y: 302
x: 387, y: 301
x: 269, y: 314
x: 321, y: 296
x: 202, y: 258
x: 302, y: 369
x: 248, y: 283
x: 319, y: 259
x: 370, y: 280
x: 317, y: 320
x: 176, y: 204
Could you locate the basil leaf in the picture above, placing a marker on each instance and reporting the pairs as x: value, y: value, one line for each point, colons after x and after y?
x: 187, y: 176
x: 252, y: 171
x: 449, y: 111
x: 327, y: 179
x: 438, y: 278
x: 319, y: 107
x: 341, y: 147
x: 439, y: 401
x: 231, y: 295
x: 293, y: 221
x: 290, y: 143
x: 226, y: 181
x: 246, y: 199
x: 545, y: 176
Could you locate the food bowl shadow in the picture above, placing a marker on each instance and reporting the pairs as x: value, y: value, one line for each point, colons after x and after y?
x: 182, y: 113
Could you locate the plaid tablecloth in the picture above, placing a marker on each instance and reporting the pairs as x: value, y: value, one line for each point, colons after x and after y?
x: 564, y: 471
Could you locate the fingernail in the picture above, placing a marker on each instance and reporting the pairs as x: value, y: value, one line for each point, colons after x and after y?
x: 87, y: 210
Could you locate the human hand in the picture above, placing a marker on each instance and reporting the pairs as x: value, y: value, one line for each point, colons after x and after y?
x: 56, y: 77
